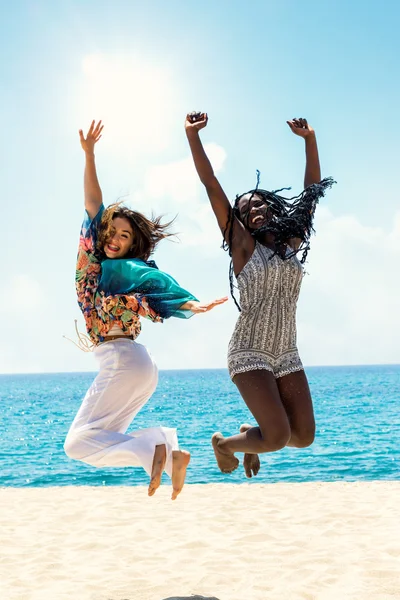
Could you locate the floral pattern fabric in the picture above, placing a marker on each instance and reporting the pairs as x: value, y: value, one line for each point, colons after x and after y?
x: 102, y: 311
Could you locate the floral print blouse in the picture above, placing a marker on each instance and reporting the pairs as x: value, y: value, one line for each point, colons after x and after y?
x: 102, y: 311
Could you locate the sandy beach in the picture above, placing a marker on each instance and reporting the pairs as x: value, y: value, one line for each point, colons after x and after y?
x: 322, y: 541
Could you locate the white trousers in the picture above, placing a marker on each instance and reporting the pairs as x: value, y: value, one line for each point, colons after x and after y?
x: 126, y: 380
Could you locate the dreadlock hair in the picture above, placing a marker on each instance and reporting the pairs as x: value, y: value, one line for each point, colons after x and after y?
x: 288, y: 218
x: 147, y: 233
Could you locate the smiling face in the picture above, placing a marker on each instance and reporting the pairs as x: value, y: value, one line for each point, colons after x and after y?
x: 254, y: 212
x: 120, y: 240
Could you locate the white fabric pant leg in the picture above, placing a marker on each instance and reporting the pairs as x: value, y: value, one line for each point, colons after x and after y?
x: 127, y: 379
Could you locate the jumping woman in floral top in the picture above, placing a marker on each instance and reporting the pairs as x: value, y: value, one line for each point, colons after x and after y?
x: 116, y: 285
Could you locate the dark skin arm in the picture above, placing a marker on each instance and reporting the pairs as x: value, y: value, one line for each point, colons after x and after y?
x: 242, y: 241
x: 219, y: 201
x: 312, y: 173
x: 301, y: 128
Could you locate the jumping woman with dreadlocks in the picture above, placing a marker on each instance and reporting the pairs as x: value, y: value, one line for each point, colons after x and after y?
x: 263, y: 233
x: 116, y: 285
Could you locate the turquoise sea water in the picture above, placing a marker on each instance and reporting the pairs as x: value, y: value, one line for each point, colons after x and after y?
x: 357, y: 411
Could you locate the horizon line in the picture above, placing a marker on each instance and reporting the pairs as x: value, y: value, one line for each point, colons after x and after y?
x: 204, y: 369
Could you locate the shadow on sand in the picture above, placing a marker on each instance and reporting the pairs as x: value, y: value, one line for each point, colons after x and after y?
x: 191, y: 598
x: 195, y: 597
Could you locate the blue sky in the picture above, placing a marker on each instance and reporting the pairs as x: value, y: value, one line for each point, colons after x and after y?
x: 251, y: 65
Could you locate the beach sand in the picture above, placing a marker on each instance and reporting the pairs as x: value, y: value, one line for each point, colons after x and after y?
x: 322, y: 541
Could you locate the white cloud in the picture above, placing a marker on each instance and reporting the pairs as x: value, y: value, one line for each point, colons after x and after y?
x: 175, y: 188
x: 348, y: 310
x: 178, y: 181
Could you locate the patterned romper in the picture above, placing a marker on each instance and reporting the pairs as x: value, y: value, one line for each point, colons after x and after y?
x: 265, y: 333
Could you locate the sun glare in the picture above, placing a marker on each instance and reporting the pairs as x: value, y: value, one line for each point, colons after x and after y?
x: 133, y: 98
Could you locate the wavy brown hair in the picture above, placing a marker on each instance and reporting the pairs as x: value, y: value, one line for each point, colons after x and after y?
x: 147, y: 233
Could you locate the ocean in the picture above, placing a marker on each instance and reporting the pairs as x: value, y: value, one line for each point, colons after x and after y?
x: 357, y: 414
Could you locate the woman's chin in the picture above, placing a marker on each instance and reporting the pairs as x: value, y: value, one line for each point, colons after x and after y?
x: 256, y: 227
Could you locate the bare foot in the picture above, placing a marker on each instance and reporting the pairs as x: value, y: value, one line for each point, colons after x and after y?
x: 251, y: 462
x: 180, y: 461
x: 160, y: 457
x: 227, y: 461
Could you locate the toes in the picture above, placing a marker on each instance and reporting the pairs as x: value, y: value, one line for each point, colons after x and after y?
x: 256, y: 467
x: 248, y: 472
x: 181, y: 459
x: 232, y: 467
x: 175, y: 494
x: 251, y: 465
x: 235, y: 466
x: 247, y: 466
x: 153, y: 486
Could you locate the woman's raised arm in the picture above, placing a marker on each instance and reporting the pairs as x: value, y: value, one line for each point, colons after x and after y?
x: 219, y: 201
x: 92, y: 189
x: 301, y: 128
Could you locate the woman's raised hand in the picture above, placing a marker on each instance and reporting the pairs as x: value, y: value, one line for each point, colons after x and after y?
x: 195, y: 121
x: 202, y: 307
x: 92, y: 136
x: 301, y: 127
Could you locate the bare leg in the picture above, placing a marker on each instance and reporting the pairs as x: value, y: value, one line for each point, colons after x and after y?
x: 278, y: 405
x: 296, y: 399
x: 159, y: 460
x: 251, y: 462
x: 260, y: 392
x: 180, y: 461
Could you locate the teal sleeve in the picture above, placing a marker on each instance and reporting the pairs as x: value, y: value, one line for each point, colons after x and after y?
x: 134, y: 276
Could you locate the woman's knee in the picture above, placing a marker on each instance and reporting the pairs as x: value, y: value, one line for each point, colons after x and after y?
x: 272, y: 441
x: 73, y: 447
x: 303, y: 439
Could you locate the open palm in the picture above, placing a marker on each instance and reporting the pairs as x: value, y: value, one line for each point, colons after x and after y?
x: 92, y: 137
x: 201, y: 307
